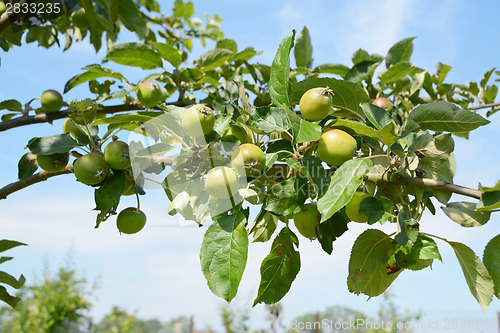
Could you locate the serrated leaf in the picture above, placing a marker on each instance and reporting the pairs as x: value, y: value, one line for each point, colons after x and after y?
x: 377, y: 209
x: 270, y: 119
x: 245, y: 55
x: 342, y: 186
x: 27, y: 166
x: 307, y: 132
x: 465, y: 214
x: 330, y: 230
x: 223, y: 255
x: 11, y: 105
x: 368, y: 263
x: 279, y: 87
x: 129, y: 15
x: 279, y: 268
x: 12, y: 281
x: 303, y: 50
x: 378, y: 117
x: 408, y: 228
x: 445, y: 117
x: 136, y: 55
x: 264, y: 226
x: 6, y: 244
x: 396, y: 72
x: 169, y: 53
x: 282, y: 198
x: 386, y: 135
x: 347, y: 96
x: 401, y: 51
x: 491, y: 259
x: 124, y: 118
x: 52, y: 144
x: 7, y: 298
x: 107, y: 196
x: 89, y: 11
x: 476, y: 275
x: 486, y: 77
x: 214, y: 58
x: 337, y: 69
x: 490, y: 200
x: 362, y: 71
x: 93, y: 72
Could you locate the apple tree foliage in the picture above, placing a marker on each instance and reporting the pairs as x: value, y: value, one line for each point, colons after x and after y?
x: 404, y: 159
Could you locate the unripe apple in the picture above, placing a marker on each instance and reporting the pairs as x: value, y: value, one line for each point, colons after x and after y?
x: 198, y: 120
x: 306, y: 220
x: 249, y: 160
x: 149, y: 93
x: 222, y: 182
x: 383, y: 103
x: 51, y: 100
x: 336, y: 147
x: 352, y: 208
x: 130, y: 220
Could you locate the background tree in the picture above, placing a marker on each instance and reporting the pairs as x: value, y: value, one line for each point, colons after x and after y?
x: 399, y: 153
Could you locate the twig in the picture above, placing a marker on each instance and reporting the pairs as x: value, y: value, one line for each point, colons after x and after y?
x: 484, y: 106
x: 6, y: 20
x: 50, y: 117
x: 36, y: 178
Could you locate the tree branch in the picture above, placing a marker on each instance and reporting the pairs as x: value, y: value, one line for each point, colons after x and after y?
x: 50, y: 117
x: 484, y: 106
x: 423, y: 182
x: 36, y: 178
x: 7, y: 20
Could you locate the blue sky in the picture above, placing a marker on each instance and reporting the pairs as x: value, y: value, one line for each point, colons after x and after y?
x: 157, y: 271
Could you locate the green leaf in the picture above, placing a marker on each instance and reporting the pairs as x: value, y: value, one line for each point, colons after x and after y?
x: 307, y: 132
x: 342, y: 186
x: 11, y: 105
x: 224, y: 253
x: 52, y: 144
x: 12, y: 281
x: 129, y: 15
x: 465, y: 214
x: 377, y: 209
x: 315, y: 172
x: 183, y: 9
x: 425, y: 248
x: 408, y: 228
x: 386, y: 135
x: 270, y: 119
x: 89, y: 11
x: 27, y: 166
x: 229, y: 44
x: 486, y: 77
x: 279, y: 268
x: 337, y: 69
x: 378, y: 117
x: 489, y: 201
x: 264, y: 226
x: 476, y: 275
x: 362, y: 71
x: 368, y: 263
x: 107, y: 196
x: 346, y: 95
x: 330, y: 230
x: 169, y: 53
x: 491, y: 259
x: 445, y: 117
x: 124, y: 118
x: 245, y: 55
x: 6, y: 244
x: 401, y: 51
x: 279, y: 87
x: 441, y: 72
x: 427, y: 145
x: 282, y: 198
x: 435, y: 168
x: 214, y: 58
x: 136, y: 55
x: 303, y: 50
x: 396, y: 72
x: 92, y: 72
x: 7, y: 298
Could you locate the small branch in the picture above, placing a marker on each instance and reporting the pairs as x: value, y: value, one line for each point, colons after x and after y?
x: 50, y: 117
x: 484, y: 106
x: 423, y: 182
x: 36, y: 178
x: 7, y: 20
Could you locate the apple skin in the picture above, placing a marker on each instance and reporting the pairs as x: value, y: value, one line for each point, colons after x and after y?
x: 315, y: 104
x: 383, y: 103
x: 220, y: 181
x: 352, y: 208
x: 198, y: 120
x: 53, y: 162
x: 249, y: 160
x: 149, y: 93
x: 130, y: 221
x: 91, y: 169
x: 51, y: 101
x: 239, y: 133
x: 70, y: 127
x: 306, y: 220
x: 336, y: 147
x: 117, y: 155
